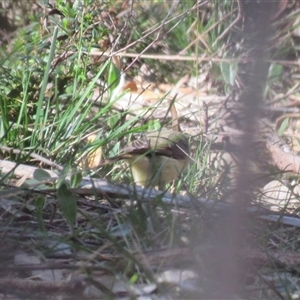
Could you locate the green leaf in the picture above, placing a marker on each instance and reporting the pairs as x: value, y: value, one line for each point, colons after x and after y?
x: 284, y: 125
x: 154, y: 125
x: 134, y: 278
x: 62, y: 176
x: 275, y: 72
x: 229, y: 71
x: 38, y: 185
x: 113, y: 79
x: 75, y: 180
x: 39, y: 118
x: 67, y: 205
x: 41, y: 175
x: 39, y: 204
x: 113, y: 120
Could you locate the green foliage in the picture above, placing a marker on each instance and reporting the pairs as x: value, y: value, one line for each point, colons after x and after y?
x: 229, y: 71
x: 283, y: 127
x: 113, y: 79
x: 40, y: 175
x: 67, y: 204
x: 275, y: 73
x: 54, y: 94
x: 45, y: 90
x: 48, y: 81
x: 39, y: 206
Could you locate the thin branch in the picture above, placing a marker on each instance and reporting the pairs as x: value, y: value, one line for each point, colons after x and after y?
x: 33, y: 155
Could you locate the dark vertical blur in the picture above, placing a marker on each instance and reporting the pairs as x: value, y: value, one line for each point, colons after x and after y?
x: 224, y: 268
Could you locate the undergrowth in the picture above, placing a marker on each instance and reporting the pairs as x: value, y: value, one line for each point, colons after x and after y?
x: 60, y: 84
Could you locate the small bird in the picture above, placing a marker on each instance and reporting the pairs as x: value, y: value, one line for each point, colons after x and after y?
x: 156, y: 158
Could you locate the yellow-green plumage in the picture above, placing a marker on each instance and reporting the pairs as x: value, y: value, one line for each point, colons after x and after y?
x: 157, y: 158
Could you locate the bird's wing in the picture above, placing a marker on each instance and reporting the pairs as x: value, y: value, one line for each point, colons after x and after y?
x: 166, y: 143
x: 138, y: 146
x: 172, y: 145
